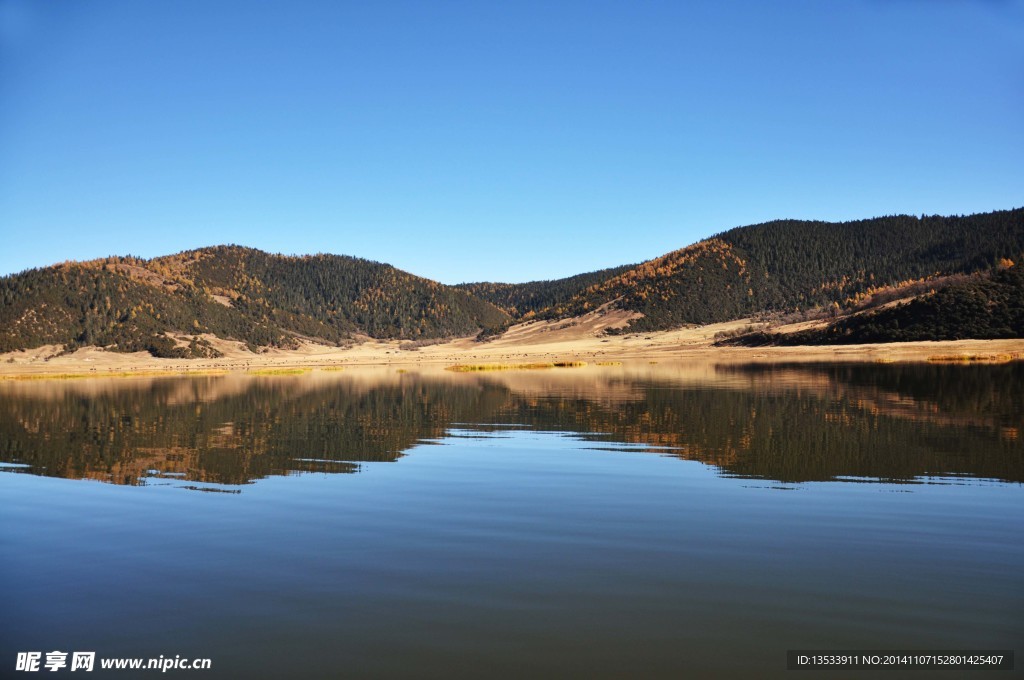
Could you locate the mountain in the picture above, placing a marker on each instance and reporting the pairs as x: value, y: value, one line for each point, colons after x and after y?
x: 167, y: 304
x: 129, y: 304
x: 791, y: 265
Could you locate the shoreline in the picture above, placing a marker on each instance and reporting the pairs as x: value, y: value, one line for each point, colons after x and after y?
x: 541, y: 344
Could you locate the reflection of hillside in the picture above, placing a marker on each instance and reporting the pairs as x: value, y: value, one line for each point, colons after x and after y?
x: 784, y: 423
x: 805, y: 422
x: 791, y: 437
x: 963, y: 396
x: 820, y: 423
x: 171, y: 390
x: 270, y: 427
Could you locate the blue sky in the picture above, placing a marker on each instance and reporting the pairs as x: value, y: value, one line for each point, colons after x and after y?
x: 493, y: 141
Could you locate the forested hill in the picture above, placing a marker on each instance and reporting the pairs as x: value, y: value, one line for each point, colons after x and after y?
x: 792, y: 265
x: 980, y: 307
x: 129, y: 304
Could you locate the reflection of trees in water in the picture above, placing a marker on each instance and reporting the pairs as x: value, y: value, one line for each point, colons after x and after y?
x: 789, y: 423
x: 266, y: 429
x: 789, y: 436
x: 989, y: 394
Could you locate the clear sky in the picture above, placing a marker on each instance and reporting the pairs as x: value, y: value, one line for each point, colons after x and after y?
x: 493, y: 140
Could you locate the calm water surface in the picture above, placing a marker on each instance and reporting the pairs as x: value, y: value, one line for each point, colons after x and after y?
x: 620, y: 521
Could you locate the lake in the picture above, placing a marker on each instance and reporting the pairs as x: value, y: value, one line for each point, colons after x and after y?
x: 638, y: 520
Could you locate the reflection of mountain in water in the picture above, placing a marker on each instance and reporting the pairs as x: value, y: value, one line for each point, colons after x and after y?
x: 790, y: 424
x: 267, y: 428
x: 823, y: 423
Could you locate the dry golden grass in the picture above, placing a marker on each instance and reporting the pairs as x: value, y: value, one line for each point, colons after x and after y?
x: 972, y: 358
x: 471, y: 368
x: 110, y: 374
x: 59, y: 376
x: 529, y: 345
x: 279, y: 371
